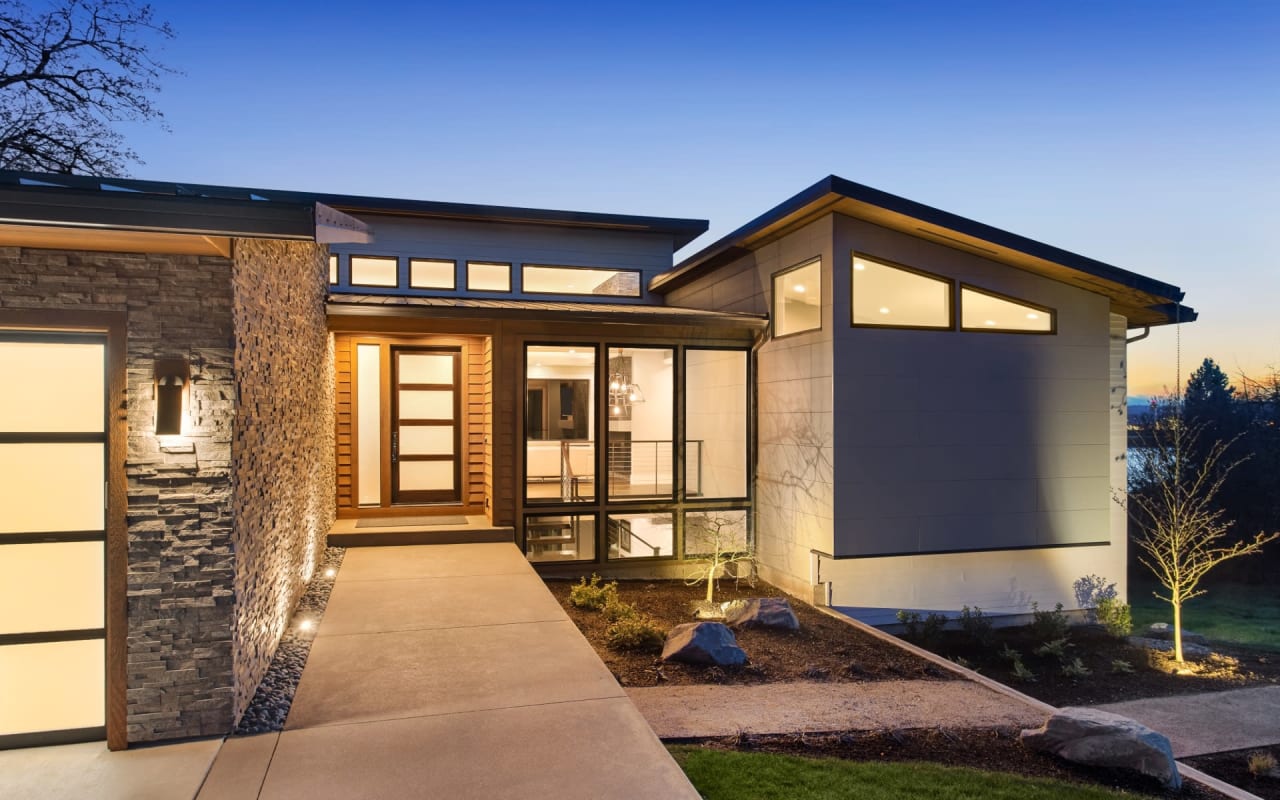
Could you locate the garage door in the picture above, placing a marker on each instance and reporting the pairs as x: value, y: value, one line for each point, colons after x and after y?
x: 53, y: 441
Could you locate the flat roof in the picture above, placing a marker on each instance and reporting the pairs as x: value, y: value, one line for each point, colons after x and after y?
x: 681, y: 230
x: 342, y: 303
x: 1145, y: 301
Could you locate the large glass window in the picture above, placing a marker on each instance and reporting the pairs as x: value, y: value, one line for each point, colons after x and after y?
x: 560, y: 449
x: 543, y: 279
x: 374, y: 271
x: 897, y: 297
x: 797, y: 299
x: 985, y: 311
x: 488, y: 276
x: 715, y: 399
x: 432, y: 273
x: 560, y: 537
x: 649, y: 535
x: 707, y: 532
x: 641, y: 420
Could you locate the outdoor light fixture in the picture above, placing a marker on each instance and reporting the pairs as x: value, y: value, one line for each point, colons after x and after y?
x: 173, y: 378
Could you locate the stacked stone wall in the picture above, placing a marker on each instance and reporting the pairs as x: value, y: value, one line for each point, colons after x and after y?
x: 283, y: 451
x: 181, y: 561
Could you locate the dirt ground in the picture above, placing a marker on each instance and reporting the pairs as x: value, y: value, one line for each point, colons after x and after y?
x: 824, y: 649
x: 1154, y: 673
x: 1233, y: 767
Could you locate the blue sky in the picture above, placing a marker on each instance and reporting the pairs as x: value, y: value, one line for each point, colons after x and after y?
x: 1145, y: 134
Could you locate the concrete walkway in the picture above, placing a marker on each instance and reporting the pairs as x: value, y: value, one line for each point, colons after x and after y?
x: 449, y: 671
x: 1197, y: 724
x: 811, y: 707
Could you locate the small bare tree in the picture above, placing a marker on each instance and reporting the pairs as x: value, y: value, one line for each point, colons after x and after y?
x: 68, y: 73
x: 717, y: 543
x: 1182, y: 528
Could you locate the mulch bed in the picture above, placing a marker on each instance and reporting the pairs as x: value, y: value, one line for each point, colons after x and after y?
x: 1233, y: 767
x: 1154, y: 672
x: 996, y: 750
x: 823, y: 648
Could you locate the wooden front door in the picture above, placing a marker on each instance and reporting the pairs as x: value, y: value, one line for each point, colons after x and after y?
x: 426, y: 434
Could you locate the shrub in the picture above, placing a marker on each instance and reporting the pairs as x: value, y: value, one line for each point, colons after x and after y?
x: 1115, y: 617
x: 1262, y: 765
x: 592, y: 595
x: 1009, y: 654
x: 921, y: 629
x: 976, y: 625
x: 1092, y: 590
x: 635, y: 632
x: 615, y: 609
x: 1056, y: 648
x: 1121, y: 667
x: 1075, y: 668
x: 1021, y: 673
x: 1049, y: 625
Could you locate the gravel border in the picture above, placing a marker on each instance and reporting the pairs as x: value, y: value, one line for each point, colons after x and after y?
x: 271, y: 702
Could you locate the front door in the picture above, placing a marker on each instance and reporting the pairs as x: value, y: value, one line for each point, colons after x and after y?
x: 53, y: 445
x: 426, y: 436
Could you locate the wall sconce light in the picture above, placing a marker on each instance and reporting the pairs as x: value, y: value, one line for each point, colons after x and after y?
x: 173, y: 380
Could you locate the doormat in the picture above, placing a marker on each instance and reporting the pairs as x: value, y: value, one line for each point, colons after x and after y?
x: 404, y: 522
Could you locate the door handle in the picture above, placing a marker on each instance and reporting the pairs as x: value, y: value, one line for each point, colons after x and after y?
x: 395, y: 446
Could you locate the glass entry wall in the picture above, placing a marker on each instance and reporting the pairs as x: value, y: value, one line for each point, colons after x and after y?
x: 53, y: 441
x: 658, y: 488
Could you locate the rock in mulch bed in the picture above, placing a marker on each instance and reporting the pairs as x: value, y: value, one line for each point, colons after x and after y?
x: 762, y: 612
x: 270, y: 705
x: 1102, y: 739
x: 703, y: 643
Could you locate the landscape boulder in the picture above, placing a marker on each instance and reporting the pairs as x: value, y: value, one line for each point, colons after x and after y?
x: 1102, y: 739
x: 762, y: 612
x: 1189, y: 650
x: 703, y: 643
x: 1163, y: 630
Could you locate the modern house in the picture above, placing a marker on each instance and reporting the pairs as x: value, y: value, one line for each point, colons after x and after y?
x: 898, y: 407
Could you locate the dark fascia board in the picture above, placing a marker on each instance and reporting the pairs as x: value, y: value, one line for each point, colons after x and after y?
x: 205, y: 216
x: 681, y: 230
x: 832, y: 188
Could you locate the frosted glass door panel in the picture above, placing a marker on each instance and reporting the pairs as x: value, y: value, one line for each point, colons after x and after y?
x: 51, y: 587
x: 59, y: 387
x: 426, y: 369
x: 47, y: 487
x: 426, y: 441
x: 369, y: 424
x: 418, y: 404
x: 60, y: 686
x: 426, y: 476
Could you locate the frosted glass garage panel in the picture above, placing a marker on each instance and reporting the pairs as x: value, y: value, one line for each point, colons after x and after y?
x: 52, y: 388
x: 61, y: 686
x: 895, y: 297
x: 980, y: 311
x: 374, y: 271
x: 51, y: 487
x: 426, y: 476
x: 51, y: 587
x: 425, y: 369
x: 716, y: 423
x: 434, y: 440
x: 426, y: 404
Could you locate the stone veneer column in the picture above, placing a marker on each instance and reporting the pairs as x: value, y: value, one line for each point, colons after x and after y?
x: 283, y: 450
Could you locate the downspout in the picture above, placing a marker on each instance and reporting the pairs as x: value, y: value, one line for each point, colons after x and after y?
x: 760, y: 340
x: 1146, y: 331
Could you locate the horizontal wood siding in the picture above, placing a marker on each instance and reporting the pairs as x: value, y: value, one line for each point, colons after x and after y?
x: 344, y: 356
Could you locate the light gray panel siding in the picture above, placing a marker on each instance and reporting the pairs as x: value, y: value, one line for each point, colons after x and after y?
x: 950, y: 440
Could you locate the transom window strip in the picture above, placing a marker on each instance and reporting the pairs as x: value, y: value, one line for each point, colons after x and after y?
x: 548, y: 279
x: 885, y: 295
x: 985, y: 311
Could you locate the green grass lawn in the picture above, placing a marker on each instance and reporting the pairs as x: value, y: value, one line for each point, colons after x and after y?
x: 723, y: 775
x: 1248, y: 615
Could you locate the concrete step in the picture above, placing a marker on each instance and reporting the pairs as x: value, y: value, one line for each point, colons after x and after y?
x: 345, y: 534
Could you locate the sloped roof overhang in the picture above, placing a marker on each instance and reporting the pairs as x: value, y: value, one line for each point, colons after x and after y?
x: 1144, y: 301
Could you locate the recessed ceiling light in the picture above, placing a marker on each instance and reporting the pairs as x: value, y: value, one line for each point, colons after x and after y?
x: 858, y: 266
x: 798, y: 288
x: 572, y: 351
x: 884, y: 310
x: 991, y: 322
x: 1033, y: 315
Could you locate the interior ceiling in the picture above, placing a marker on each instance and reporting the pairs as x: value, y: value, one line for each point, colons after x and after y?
x: 113, y: 241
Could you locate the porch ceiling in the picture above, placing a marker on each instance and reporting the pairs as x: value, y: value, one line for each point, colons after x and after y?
x: 483, y: 308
